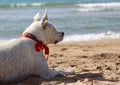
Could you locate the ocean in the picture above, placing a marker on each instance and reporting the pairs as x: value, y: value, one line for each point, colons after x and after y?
x: 81, y: 20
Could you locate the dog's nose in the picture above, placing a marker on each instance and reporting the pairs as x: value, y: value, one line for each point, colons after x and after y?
x: 62, y: 33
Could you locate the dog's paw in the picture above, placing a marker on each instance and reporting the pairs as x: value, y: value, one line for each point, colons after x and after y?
x: 66, y: 72
x: 69, y: 72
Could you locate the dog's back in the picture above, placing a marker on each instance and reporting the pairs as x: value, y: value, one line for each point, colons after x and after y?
x: 14, y: 60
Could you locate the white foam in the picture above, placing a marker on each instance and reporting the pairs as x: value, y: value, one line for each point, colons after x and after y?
x: 2, y: 41
x: 98, y: 6
x: 84, y: 37
x: 26, y: 5
x: 93, y: 36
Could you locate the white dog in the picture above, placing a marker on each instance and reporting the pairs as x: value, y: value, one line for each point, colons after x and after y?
x: 22, y: 57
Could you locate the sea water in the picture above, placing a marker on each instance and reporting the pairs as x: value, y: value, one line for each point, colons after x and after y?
x: 81, y: 20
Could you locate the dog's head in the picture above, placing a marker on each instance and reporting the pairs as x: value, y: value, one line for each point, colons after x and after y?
x: 44, y: 30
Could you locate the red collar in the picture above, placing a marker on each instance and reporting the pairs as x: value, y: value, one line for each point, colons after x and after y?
x: 39, y: 45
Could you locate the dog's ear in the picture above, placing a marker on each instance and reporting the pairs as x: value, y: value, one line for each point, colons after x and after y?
x: 45, y: 16
x: 44, y: 24
x: 45, y: 19
x: 37, y: 17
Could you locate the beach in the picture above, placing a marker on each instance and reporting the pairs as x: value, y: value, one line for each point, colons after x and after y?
x: 94, y: 63
x: 91, y: 44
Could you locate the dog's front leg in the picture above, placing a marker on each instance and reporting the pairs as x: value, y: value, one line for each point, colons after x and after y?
x: 41, y: 68
x: 49, y: 74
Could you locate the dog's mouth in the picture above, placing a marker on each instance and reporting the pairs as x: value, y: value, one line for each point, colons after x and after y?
x: 61, y: 36
x: 56, y: 41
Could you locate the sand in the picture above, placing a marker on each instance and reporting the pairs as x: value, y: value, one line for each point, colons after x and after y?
x: 94, y: 62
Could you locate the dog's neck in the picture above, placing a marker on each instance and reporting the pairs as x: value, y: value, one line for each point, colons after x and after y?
x: 39, y: 44
x: 31, y: 36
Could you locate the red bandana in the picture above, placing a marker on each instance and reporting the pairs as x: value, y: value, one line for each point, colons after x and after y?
x: 39, y: 45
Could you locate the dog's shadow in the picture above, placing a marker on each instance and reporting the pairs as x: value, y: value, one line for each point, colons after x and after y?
x: 65, y: 79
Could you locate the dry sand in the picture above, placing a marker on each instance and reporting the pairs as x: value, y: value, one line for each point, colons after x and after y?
x: 94, y: 62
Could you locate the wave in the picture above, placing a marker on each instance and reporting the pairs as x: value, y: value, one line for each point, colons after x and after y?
x: 93, y: 36
x: 87, y: 7
x: 83, y: 37
x: 21, y: 5
x: 35, y: 5
x: 82, y: 7
x: 26, y: 5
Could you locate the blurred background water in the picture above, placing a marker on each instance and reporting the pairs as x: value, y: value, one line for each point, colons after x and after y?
x: 80, y: 19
